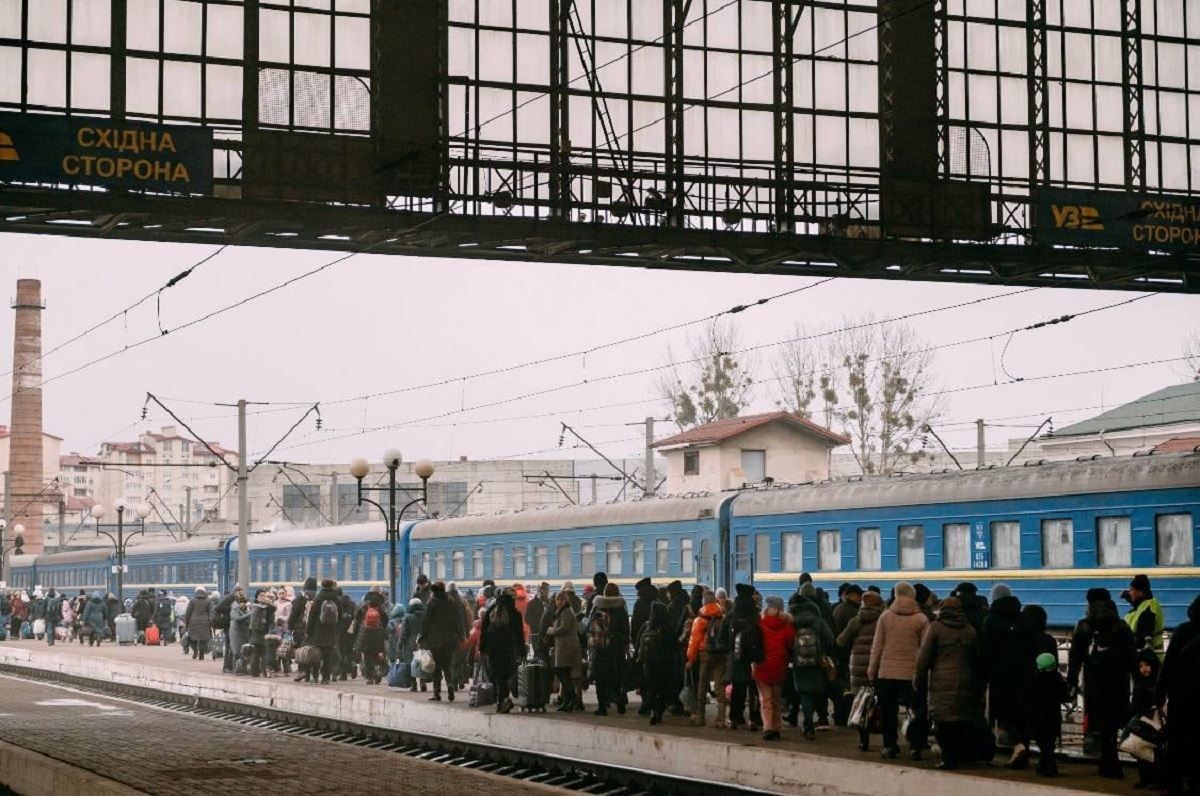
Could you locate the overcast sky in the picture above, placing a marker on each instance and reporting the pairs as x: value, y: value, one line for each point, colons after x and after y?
x: 376, y: 323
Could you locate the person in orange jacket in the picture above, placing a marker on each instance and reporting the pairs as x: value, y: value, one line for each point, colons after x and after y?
x: 708, y: 657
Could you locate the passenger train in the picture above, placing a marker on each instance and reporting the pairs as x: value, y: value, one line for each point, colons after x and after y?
x: 1049, y: 529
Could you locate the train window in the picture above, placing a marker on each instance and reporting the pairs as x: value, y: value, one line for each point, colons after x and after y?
x: 956, y: 545
x: 460, y: 564
x: 587, y: 558
x: 346, y: 574
x: 1174, y: 539
x: 497, y: 562
x: 164, y: 574
x: 1006, y: 544
x: 686, y: 559
x: 639, y: 556
x: 375, y: 567
x: 762, y: 552
x: 320, y: 568
x: 518, y: 558
x: 563, y: 554
x: 662, y: 556
x: 541, y: 561
x: 612, y: 552
x: 741, y: 552
x: 793, y: 552
x: 1113, y: 545
x: 477, y: 563
x: 258, y: 571
x: 440, y: 558
x: 869, y: 554
x: 270, y: 570
x: 829, y: 550
x: 1058, y: 543
x: 912, y: 546
x: 283, y: 573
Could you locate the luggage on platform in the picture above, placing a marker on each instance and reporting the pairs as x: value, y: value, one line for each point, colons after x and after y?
x: 979, y: 742
x: 126, y: 627
x: 481, y: 695
x: 60, y: 634
x: 26, y: 630
x: 152, y: 635
x: 400, y: 675
x: 39, y: 628
x: 533, y: 685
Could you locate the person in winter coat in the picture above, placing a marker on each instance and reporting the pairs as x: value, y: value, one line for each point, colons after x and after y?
x: 539, y: 605
x: 54, y: 615
x: 1044, y: 697
x: 1178, y: 690
x: 778, y: 633
x: 946, y: 665
x: 1145, y: 618
x: 1103, y: 649
x: 677, y: 612
x: 1007, y: 656
x: 1146, y: 667
x: 410, y: 631
x: 568, y: 657
x: 323, y: 628
x: 181, y: 606
x: 856, y: 639
x: 198, y: 621
x: 95, y: 619
x: 422, y: 590
x: 261, y: 621
x: 69, y: 617
x: 394, y: 625
x: 370, y: 624
x: 743, y: 640
x: 298, y: 622
x: 647, y: 595
x: 347, y: 659
x: 893, y: 662
x: 813, y: 642
x: 143, y: 611
x: 459, y: 673
x: 608, y: 655
x: 849, y: 601
x: 164, y: 610
x: 113, y: 609
x: 973, y: 606
x: 441, y: 631
x: 239, y: 629
x: 708, y: 657
x: 502, y: 644
x: 655, y: 651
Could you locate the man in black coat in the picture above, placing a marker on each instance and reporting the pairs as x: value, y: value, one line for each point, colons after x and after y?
x: 502, y: 644
x: 220, y: 621
x: 1007, y: 656
x: 1179, y: 690
x: 536, y: 609
x: 1103, y: 650
x: 298, y: 622
x: 677, y: 613
x: 142, y: 611
x: 323, y: 628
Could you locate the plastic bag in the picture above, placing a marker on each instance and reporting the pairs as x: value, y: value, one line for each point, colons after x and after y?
x: 688, y: 697
x: 1143, y: 737
x: 424, y: 659
x: 860, y: 709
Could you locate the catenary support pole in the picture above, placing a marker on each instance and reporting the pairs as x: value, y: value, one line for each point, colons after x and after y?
x: 243, y: 502
x: 335, y: 509
x: 650, y: 478
x: 979, y: 442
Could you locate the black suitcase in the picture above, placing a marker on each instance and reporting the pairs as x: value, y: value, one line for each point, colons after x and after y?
x: 979, y: 742
x: 533, y: 686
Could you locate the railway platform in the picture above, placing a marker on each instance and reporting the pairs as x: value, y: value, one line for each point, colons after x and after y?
x: 709, y: 757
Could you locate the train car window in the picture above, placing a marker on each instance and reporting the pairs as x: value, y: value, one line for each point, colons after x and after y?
x: 687, y: 560
x: 426, y: 564
x: 346, y: 574
x: 793, y: 552
x: 440, y: 558
x: 283, y: 573
x: 869, y: 554
x: 518, y: 558
x: 1174, y: 533
x: 912, y: 547
x: 458, y: 564
x: 174, y: 573
x: 762, y: 552
x: 271, y: 570
x: 258, y: 570
x: 563, y: 563
x: 662, y: 556
x: 1006, y: 544
x: 639, y: 556
x: 587, y: 558
x: 164, y: 574
x: 497, y: 562
x: 612, y: 551
x: 1058, y: 543
x: 541, y: 561
x: 829, y: 550
x: 375, y: 567
x: 320, y: 568
x: 741, y: 552
x: 477, y: 563
x: 362, y: 567
x: 1114, y: 547
x: 956, y: 545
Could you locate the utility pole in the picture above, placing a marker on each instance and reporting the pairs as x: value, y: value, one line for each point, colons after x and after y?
x: 593, y: 489
x: 187, y: 508
x: 649, y: 467
x: 243, y: 480
x: 7, y: 495
x: 334, y: 508
x: 979, y: 442
x: 62, y: 518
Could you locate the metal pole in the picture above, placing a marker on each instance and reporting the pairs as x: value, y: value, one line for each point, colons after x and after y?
x: 243, y: 502
x: 649, y: 467
x: 62, y: 519
x: 335, y: 508
x: 121, y: 559
x: 391, y: 533
x: 8, y: 495
x: 979, y: 442
x: 187, y: 509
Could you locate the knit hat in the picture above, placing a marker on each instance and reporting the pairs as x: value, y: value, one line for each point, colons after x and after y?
x: 922, y: 592
x: 853, y: 588
x: 872, y: 599
x: 1046, y: 662
x: 1098, y: 594
x: 310, y: 584
x: 904, y: 589
x: 743, y: 590
x: 774, y: 602
x: 966, y: 587
x: 329, y: 583
x: 998, y: 591
x: 1140, y: 582
x: 808, y: 590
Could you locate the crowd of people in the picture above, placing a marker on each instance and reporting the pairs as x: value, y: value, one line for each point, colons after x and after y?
x: 962, y: 670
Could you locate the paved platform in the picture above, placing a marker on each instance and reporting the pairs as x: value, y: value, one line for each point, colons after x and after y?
x: 831, y: 764
x: 58, y: 740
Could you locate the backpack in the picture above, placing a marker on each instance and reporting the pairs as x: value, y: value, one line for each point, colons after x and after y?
x: 220, y: 618
x: 163, y: 611
x: 806, y: 649
x: 599, y: 630
x: 748, y: 645
x: 648, y: 647
x: 372, y: 618
x: 714, y: 639
x: 329, y: 614
x: 258, y: 618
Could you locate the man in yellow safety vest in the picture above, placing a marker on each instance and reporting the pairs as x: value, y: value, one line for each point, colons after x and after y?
x: 1146, y: 617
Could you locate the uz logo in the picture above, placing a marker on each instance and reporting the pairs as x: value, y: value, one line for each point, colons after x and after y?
x: 1076, y: 217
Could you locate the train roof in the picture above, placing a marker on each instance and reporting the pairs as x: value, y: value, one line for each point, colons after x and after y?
x: 201, y: 543
x: 1048, y: 479
x: 318, y: 537
x: 562, y: 519
x: 83, y: 556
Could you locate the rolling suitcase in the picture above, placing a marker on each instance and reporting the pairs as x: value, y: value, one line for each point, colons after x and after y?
x: 126, y: 627
x: 533, y: 686
x: 152, y: 635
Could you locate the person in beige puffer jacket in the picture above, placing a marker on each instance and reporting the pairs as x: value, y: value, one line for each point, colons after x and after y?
x: 893, y: 661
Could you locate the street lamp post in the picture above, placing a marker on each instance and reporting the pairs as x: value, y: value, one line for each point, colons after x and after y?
x: 120, y: 540
x: 391, y: 460
x: 18, y: 542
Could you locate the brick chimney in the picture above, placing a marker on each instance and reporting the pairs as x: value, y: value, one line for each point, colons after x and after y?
x: 25, y: 445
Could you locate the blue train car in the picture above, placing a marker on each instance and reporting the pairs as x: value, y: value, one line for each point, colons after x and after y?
x: 177, y: 567
x: 665, y: 539
x: 69, y: 572
x: 1050, y: 531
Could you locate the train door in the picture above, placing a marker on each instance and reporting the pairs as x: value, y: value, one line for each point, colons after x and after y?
x: 743, y: 559
x: 706, y: 563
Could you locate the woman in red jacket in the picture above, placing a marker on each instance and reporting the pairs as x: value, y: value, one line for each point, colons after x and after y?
x: 770, y: 673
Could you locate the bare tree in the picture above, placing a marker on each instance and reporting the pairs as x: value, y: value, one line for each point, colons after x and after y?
x: 1191, y: 352
x: 714, y: 385
x: 874, y: 383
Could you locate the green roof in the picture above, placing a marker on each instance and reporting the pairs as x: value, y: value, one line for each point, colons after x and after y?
x: 1168, y: 406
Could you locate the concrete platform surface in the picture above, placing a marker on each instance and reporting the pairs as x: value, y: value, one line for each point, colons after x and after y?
x: 830, y: 764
